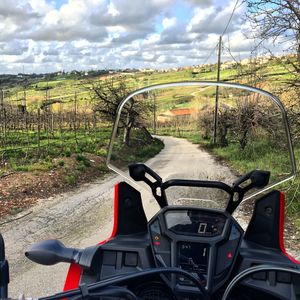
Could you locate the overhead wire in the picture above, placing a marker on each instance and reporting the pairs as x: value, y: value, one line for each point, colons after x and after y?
x: 231, y: 16
x: 210, y: 54
x: 224, y: 31
x: 229, y: 51
x: 242, y: 68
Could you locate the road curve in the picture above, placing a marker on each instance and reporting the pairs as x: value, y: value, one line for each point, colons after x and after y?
x: 84, y: 217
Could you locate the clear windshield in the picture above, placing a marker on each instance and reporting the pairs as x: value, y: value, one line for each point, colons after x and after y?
x: 202, y: 131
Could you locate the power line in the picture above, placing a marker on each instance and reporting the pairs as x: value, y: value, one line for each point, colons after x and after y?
x: 231, y: 55
x: 242, y: 68
x: 210, y: 54
x: 231, y: 16
x: 224, y: 31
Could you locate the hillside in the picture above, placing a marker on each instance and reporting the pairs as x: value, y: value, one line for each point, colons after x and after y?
x: 48, y: 122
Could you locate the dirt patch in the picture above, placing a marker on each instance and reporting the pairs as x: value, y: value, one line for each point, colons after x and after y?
x: 20, y: 190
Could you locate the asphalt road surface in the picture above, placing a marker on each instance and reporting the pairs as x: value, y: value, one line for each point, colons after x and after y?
x: 84, y: 217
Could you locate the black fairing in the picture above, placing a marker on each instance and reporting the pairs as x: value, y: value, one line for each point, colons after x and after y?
x: 137, y: 245
x: 264, y: 227
x: 4, y: 270
x: 262, y: 245
x: 129, y: 250
x: 131, y: 215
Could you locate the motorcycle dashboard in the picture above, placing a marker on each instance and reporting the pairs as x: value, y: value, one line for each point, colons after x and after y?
x: 203, y: 242
x: 194, y: 222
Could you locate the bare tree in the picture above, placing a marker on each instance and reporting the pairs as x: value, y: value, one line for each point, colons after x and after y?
x: 107, y: 95
x: 277, y: 19
x: 226, y: 123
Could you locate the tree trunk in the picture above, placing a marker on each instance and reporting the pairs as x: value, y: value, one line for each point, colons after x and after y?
x: 127, y: 131
x: 147, y: 134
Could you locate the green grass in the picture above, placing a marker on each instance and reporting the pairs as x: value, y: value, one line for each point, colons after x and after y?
x: 70, y: 179
x: 15, y: 210
x: 261, y: 153
x: 269, y: 158
x: 28, y: 156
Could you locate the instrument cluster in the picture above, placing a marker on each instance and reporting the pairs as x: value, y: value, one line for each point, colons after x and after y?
x: 201, y: 241
x: 194, y: 222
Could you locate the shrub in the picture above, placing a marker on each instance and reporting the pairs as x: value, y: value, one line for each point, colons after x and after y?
x: 81, y: 167
x: 80, y: 157
x: 70, y: 179
x: 102, y: 152
x: 15, y: 210
x: 61, y: 163
x: 67, y: 153
x: 85, y: 161
x: 102, y: 168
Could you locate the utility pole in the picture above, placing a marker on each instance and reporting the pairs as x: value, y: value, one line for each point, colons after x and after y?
x: 2, y: 111
x: 2, y: 98
x: 154, y: 108
x: 75, y: 110
x: 154, y: 115
x: 217, y: 92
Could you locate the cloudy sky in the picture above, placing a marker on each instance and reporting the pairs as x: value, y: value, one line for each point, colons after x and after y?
x: 46, y: 35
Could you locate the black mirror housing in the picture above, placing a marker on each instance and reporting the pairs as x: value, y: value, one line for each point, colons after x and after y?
x: 51, y: 252
x: 260, y: 178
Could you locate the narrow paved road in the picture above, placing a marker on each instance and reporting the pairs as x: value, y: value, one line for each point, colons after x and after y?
x: 84, y: 217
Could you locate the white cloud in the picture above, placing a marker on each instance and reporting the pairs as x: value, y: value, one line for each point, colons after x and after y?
x: 168, y: 22
x: 152, y: 39
x: 238, y: 43
x: 112, y: 10
x: 161, y: 58
x: 148, y: 56
x: 213, y: 19
x: 40, y: 6
x: 128, y: 53
x: 81, y: 34
x: 81, y: 44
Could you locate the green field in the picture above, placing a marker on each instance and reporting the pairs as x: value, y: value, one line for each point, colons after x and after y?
x: 273, y: 72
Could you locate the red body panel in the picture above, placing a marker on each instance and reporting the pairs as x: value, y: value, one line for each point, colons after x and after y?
x: 74, y: 273
x: 281, y: 230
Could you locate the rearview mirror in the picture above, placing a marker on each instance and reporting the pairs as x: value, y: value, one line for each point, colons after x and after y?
x: 51, y: 252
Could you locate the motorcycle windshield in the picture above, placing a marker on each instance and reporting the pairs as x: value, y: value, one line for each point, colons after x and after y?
x: 202, y: 131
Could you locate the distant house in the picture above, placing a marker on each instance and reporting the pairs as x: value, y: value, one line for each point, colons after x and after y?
x: 177, y: 114
x: 228, y: 65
